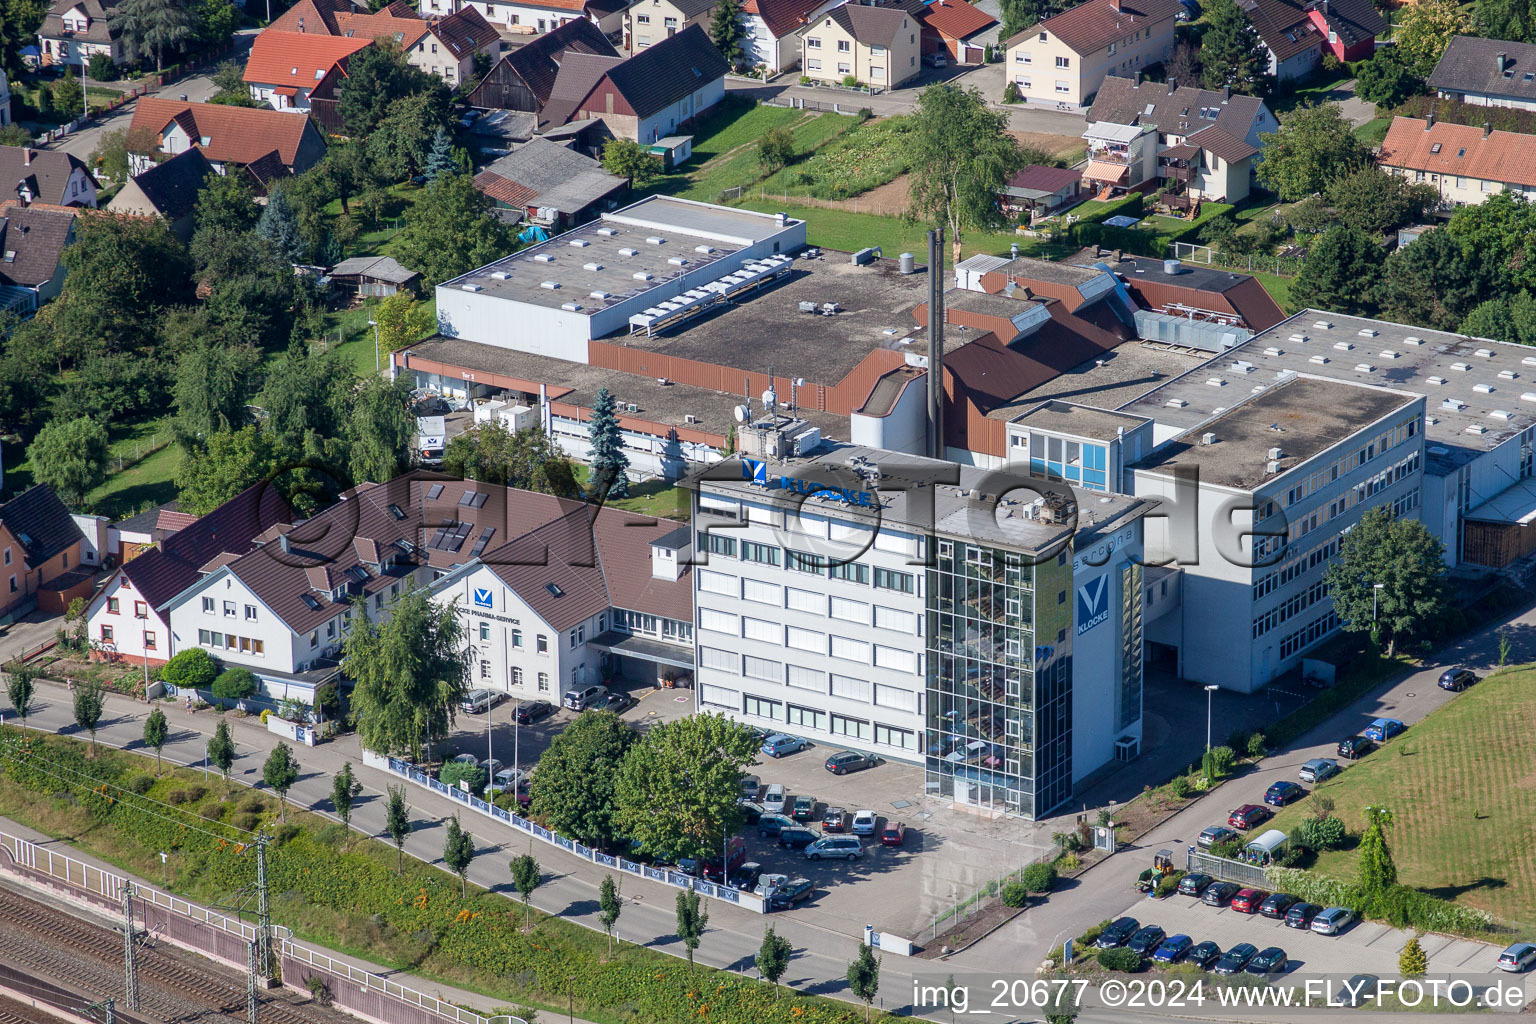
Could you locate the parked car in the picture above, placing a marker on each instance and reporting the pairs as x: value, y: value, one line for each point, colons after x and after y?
x: 1117, y: 934
x: 1146, y: 939
x: 894, y: 834
x: 1269, y: 961
x: 849, y: 761
x: 1457, y: 679
x: 1383, y: 729
x: 1203, y: 955
x: 1282, y: 793
x: 1214, y: 836
x: 618, y: 703
x: 478, y: 702
x: 751, y: 786
x: 1248, y: 816
x: 586, y: 697
x: 797, y: 838
x: 936, y: 60
x: 779, y: 744
x: 835, y: 820
x: 1236, y: 958
x: 1355, y: 747
x: 491, y: 766
x: 768, y: 882
x: 864, y: 823
x: 1357, y: 991
x: 1332, y: 920
x: 465, y: 759
x: 735, y: 857
x: 750, y: 810
x: 1219, y: 894
x: 1246, y: 901
x: 1318, y: 769
x: 1301, y: 914
x: 1194, y: 883
x: 772, y: 825
x: 505, y: 780
x: 790, y: 893
x: 835, y: 846
x: 1173, y: 949
x: 745, y: 877
x: 530, y: 711
x: 804, y: 808
x: 1517, y: 958
x: 1277, y: 905
x: 774, y: 798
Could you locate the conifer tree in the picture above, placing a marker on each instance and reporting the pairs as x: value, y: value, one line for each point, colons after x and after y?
x: 609, y: 462
x: 280, y: 226
x: 440, y: 160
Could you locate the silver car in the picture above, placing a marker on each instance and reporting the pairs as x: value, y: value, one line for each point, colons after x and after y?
x: 766, y: 884
x: 1318, y: 769
x: 1333, y: 920
x: 1517, y: 958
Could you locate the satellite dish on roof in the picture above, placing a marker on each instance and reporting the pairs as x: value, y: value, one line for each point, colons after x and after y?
x: 741, y: 413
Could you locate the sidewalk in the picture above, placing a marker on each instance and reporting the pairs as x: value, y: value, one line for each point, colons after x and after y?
x: 462, y: 997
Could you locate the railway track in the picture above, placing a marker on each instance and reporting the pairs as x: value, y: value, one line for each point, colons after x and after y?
x: 12, y: 1012
x: 173, y: 985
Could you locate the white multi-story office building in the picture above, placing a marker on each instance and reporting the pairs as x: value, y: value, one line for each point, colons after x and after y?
x: 977, y: 623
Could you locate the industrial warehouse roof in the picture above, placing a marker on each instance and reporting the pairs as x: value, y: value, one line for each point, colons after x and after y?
x: 1478, y: 393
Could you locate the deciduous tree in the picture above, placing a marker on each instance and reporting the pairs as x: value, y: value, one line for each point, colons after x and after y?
x: 377, y: 77
x: 221, y: 751
x: 776, y: 148
x: 223, y: 465
x: 1387, y: 79
x: 343, y: 785
x: 773, y: 958
x: 450, y: 230
x: 1514, y: 20
x: 1435, y: 282
x: 397, y: 822
x: 609, y: 907
x: 234, y: 684
x: 1511, y: 319
x: 156, y: 732
x: 1425, y: 29
x: 626, y: 158
x: 526, y: 876
x: 122, y: 272
x: 1313, y: 146
x: 70, y: 456
x: 281, y: 771
x: 20, y: 687
x: 1406, y: 560
x: 213, y: 386
x: 400, y: 144
x: 402, y: 320
x: 692, y: 919
x: 961, y: 156
x: 864, y: 977
x: 410, y: 674
x: 90, y: 702
x: 380, y: 430
x: 1376, y: 202
x: 573, y: 790
x: 458, y: 853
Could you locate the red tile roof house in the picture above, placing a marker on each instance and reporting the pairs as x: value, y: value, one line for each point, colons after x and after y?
x: 442, y: 46
x: 957, y: 29
x: 773, y: 29
x: 127, y: 619
x: 286, y: 68
x: 523, y: 18
x: 555, y: 594
x: 248, y: 138
x: 42, y: 555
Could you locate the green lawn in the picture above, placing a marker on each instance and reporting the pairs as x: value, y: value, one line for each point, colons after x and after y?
x: 705, y: 181
x: 1462, y: 785
x: 347, y: 332
x: 146, y: 479
x: 653, y: 498
x: 1373, y: 132
x: 1314, y: 92
x: 371, y: 241
x: 1280, y: 289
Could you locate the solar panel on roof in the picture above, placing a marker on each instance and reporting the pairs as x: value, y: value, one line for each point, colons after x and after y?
x: 434, y: 491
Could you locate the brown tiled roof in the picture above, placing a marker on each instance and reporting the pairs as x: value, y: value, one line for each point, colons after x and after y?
x: 36, y: 235
x: 1094, y: 24
x: 1460, y: 149
x: 1354, y: 21
x: 661, y: 75
x: 1044, y: 179
x: 100, y: 28
x: 317, y: 16
x: 405, y: 32
x: 294, y: 58
x: 1222, y: 144
x: 877, y: 26
x: 504, y: 190
x: 955, y: 19
x: 538, y: 63
x: 465, y: 32
x: 172, y: 187
x: 1178, y: 110
x: 579, y: 73
x: 781, y: 16
x: 238, y: 135
x: 1284, y: 27
x: 47, y: 174
x: 624, y: 547
x: 553, y: 569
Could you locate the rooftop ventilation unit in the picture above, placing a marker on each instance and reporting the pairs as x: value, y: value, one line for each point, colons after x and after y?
x: 1271, y: 467
x: 599, y: 294
x: 1367, y: 332
x: 1276, y: 453
x: 1437, y: 381
x: 579, y: 243
x: 1453, y: 405
x: 1484, y: 353
x: 1387, y: 353
x: 1412, y: 340
x: 572, y: 307
x: 1461, y: 367
x: 471, y: 287
x: 629, y: 252
x: 1300, y: 339
x: 1483, y: 389
x: 1216, y: 382
x: 654, y: 240
x: 677, y: 261
x: 1528, y: 361
x: 1273, y: 351
x: 551, y: 285
x: 705, y: 249
x: 690, y: 418
x: 1430, y: 421
x: 1179, y: 403
x: 544, y: 257
x: 1319, y: 360
x: 610, y: 232
x: 1342, y: 346
x: 1322, y: 325
x: 501, y: 275
x: 1529, y: 396
x: 1507, y: 375
x: 1500, y: 414
x: 1243, y: 366
x: 1364, y: 368
x: 641, y: 275
x: 1208, y: 438
x: 594, y: 267
x: 1476, y: 428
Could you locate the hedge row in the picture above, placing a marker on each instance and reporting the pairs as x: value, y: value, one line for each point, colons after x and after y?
x: 1400, y: 906
x: 482, y: 934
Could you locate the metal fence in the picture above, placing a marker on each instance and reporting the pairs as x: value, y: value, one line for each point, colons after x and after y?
x: 1227, y: 870
x: 375, y: 982
x: 1280, y: 266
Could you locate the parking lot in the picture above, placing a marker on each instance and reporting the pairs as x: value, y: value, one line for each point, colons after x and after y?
x: 1364, y: 947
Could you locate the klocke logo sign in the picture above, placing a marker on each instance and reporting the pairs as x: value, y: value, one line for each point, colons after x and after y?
x: 482, y: 597
x: 1092, y: 603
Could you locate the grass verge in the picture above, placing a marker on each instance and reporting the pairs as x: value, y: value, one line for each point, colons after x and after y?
x: 652, y: 498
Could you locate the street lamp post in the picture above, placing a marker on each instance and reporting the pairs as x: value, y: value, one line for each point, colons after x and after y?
x: 378, y: 361
x: 1208, y: 691
x: 1376, y: 589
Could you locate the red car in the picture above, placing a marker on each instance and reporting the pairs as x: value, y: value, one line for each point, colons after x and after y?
x: 1249, y: 815
x: 894, y: 834
x: 1247, y: 900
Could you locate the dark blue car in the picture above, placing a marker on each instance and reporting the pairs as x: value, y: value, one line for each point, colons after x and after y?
x: 1384, y: 729
x: 1173, y: 949
x: 1282, y: 793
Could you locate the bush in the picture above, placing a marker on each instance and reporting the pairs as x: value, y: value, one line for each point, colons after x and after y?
x: 193, y: 667
x: 1229, y: 849
x: 318, y: 989
x: 214, y: 811
x: 1015, y: 894
x: 1089, y: 937
x: 100, y: 68
x: 235, y: 683
x: 253, y: 804
x: 1011, y: 93
x: 1038, y: 878
x: 850, y: 82
x: 1168, y: 883
x: 455, y: 772
x: 266, y: 714
x: 1121, y: 959
x: 176, y: 796
x: 807, y: 80
x: 140, y: 784
x: 1256, y: 745
x: 1179, y: 787
x: 1223, y: 759
x: 1319, y: 833
x: 247, y: 822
